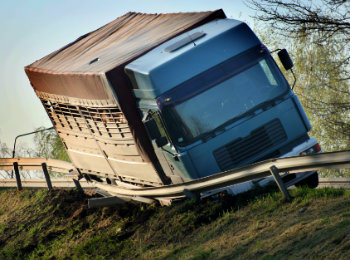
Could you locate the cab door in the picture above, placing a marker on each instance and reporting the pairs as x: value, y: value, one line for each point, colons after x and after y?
x: 163, y: 147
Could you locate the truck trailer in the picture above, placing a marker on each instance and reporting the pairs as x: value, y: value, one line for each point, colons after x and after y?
x: 158, y: 99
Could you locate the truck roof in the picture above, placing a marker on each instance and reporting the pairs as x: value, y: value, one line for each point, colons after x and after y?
x: 76, y: 69
x: 189, y: 54
x: 120, y: 41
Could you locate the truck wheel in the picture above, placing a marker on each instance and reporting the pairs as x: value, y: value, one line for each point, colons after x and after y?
x: 311, y: 181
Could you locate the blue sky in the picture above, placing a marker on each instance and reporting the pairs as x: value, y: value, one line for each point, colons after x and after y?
x: 31, y: 29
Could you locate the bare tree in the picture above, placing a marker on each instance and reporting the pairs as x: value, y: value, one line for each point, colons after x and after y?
x: 4, y: 153
x: 49, y: 145
x: 318, y: 33
x: 325, y: 20
x: 21, y: 151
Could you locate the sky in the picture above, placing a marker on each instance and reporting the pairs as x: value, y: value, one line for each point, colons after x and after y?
x: 32, y: 29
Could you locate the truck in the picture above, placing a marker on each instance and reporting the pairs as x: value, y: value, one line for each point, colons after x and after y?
x: 157, y: 99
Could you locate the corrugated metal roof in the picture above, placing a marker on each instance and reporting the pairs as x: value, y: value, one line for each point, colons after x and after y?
x: 120, y: 41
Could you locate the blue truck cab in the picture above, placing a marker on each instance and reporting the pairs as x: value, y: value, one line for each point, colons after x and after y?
x: 214, y: 99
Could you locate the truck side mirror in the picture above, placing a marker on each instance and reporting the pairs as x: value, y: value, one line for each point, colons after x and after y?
x: 285, y: 59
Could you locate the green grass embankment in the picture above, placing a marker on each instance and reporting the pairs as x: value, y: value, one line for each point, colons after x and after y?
x: 256, y: 225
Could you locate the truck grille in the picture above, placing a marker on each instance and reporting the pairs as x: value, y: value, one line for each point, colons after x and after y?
x: 259, y: 140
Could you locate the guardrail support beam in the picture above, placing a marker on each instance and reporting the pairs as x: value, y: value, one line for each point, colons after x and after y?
x: 47, y: 176
x: 191, y: 195
x: 275, y: 173
x: 18, y: 177
x: 104, y: 202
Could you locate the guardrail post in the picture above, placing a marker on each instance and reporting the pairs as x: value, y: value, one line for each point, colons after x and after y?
x: 77, y: 185
x: 18, y: 177
x: 275, y: 173
x: 47, y: 176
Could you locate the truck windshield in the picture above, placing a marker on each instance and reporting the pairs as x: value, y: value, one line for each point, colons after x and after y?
x: 189, y: 119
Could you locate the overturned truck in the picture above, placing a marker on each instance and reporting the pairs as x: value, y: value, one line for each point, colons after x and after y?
x: 158, y: 99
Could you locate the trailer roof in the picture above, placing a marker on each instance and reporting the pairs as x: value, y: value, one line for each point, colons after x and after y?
x: 120, y: 41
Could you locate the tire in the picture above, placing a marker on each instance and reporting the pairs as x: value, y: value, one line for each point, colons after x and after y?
x: 311, y: 181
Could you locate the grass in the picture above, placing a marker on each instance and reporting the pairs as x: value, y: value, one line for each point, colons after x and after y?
x: 254, y: 225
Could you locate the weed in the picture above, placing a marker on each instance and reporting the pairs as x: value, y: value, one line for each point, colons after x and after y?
x: 201, y: 253
x: 306, y: 192
x: 259, y: 244
x: 268, y: 257
x: 3, y: 227
x: 325, y: 221
x: 21, y: 227
x: 57, y: 225
x: 344, y: 223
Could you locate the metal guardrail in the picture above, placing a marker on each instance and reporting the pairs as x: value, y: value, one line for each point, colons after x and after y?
x: 336, y: 182
x: 18, y: 164
x: 42, y: 184
x: 250, y: 172
x: 36, y: 164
